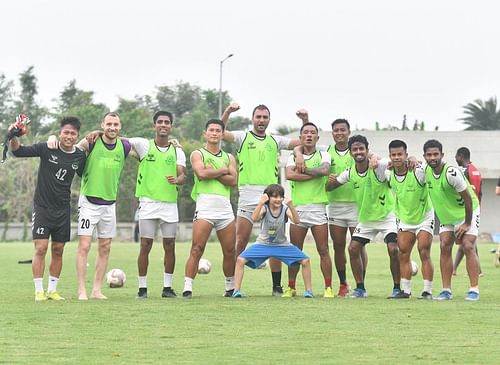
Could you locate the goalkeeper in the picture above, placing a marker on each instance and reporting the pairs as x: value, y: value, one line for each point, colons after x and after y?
x: 51, y: 204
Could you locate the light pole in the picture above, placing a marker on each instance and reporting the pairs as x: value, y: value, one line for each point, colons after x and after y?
x: 220, y: 83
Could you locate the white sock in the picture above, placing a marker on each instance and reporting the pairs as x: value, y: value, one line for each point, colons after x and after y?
x: 428, y: 286
x: 406, y: 285
x: 447, y: 289
x: 229, y: 283
x: 167, y: 280
x: 188, y: 284
x: 474, y: 289
x: 52, y: 286
x: 143, y: 281
x: 38, y: 284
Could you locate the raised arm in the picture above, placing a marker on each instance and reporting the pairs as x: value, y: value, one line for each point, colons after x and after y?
x: 259, y: 210
x: 228, y: 135
x: 291, y: 212
x: 303, y: 115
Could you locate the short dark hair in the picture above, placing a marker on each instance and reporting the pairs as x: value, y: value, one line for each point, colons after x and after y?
x: 341, y: 121
x: 165, y: 113
x: 275, y: 190
x: 357, y: 138
x: 308, y: 124
x: 261, y: 107
x: 433, y: 143
x: 464, y: 152
x: 73, y: 121
x: 215, y: 121
x: 111, y: 114
x: 397, y: 143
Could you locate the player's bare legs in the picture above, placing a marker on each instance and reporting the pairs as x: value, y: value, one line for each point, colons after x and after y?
x: 100, y: 267
x: 471, y: 259
x: 239, y: 272
x: 38, y: 263
x: 356, y: 259
x: 201, y: 234
x: 424, y: 242
x: 393, y: 252
x: 243, y: 231
x: 458, y: 258
x: 306, y: 274
x: 320, y: 234
x: 57, y: 250
x: 81, y: 265
x: 169, y: 254
x: 297, y: 237
x: 143, y: 258
x: 227, y: 237
x: 406, y: 240
x: 447, y: 240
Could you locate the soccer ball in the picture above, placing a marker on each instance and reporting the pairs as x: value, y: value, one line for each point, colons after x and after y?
x: 414, y: 268
x: 264, y: 265
x: 116, y: 278
x: 204, y: 266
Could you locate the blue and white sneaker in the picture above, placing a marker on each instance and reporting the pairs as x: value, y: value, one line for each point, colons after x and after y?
x: 444, y: 295
x: 396, y: 292
x: 237, y: 294
x: 308, y: 294
x: 472, y: 296
x: 358, y: 293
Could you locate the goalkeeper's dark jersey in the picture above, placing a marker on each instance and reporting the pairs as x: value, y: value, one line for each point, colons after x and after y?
x: 55, y: 174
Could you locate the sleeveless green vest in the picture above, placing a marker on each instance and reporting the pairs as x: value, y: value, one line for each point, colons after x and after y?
x: 447, y: 202
x: 212, y: 186
x: 339, y: 164
x: 310, y: 191
x: 412, y: 198
x: 101, y: 175
x: 258, y: 161
x: 153, y: 169
x: 373, y: 198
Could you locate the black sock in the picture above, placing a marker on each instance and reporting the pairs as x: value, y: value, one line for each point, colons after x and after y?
x: 276, y: 278
x: 397, y: 286
x: 360, y: 286
x: 342, y: 276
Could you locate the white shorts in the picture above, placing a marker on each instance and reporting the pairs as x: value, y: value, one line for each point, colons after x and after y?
x: 246, y: 212
x: 369, y: 230
x: 249, y: 196
x: 427, y: 225
x: 312, y: 217
x: 342, y: 214
x: 474, y: 227
x: 218, y: 224
x: 92, y: 215
x: 166, y: 212
x: 148, y: 227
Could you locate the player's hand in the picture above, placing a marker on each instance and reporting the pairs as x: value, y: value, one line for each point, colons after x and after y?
x: 332, y: 179
x: 264, y: 198
x: 462, y: 229
x: 232, y: 108
x: 303, y: 114
x: 412, y: 163
x: 92, y: 136
x: 175, y: 142
x: 287, y: 201
x: 52, y: 142
x: 373, y: 162
x: 300, y: 165
x: 171, y: 180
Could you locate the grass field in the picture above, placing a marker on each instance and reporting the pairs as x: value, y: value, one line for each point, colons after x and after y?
x: 258, y: 329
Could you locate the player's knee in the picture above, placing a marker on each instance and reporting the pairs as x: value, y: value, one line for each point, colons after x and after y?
x: 305, y: 263
x: 197, y: 251
x: 468, y: 247
x: 57, y: 251
x: 393, y: 250
x: 40, y: 251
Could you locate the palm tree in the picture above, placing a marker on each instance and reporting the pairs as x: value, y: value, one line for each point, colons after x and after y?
x: 482, y: 115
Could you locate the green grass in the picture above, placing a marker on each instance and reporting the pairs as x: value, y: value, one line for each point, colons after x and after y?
x: 258, y: 329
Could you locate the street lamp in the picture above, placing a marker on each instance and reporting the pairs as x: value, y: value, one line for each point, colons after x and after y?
x: 220, y: 83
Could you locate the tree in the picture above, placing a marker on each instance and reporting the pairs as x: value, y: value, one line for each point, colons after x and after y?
x: 482, y: 115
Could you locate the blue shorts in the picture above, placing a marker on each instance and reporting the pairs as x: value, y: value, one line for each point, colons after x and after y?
x: 257, y: 253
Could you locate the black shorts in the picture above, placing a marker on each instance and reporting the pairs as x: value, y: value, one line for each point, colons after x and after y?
x: 50, y: 222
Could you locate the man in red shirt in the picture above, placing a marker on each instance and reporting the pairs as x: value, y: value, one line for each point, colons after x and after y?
x: 474, y: 178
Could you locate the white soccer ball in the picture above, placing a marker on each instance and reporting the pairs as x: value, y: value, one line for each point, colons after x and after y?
x: 204, y: 266
x: 116, y: 278
x: 264, y: 265
x: 414, y: 268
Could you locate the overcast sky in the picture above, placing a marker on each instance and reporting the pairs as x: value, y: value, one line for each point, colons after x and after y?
x: 365, y: 61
